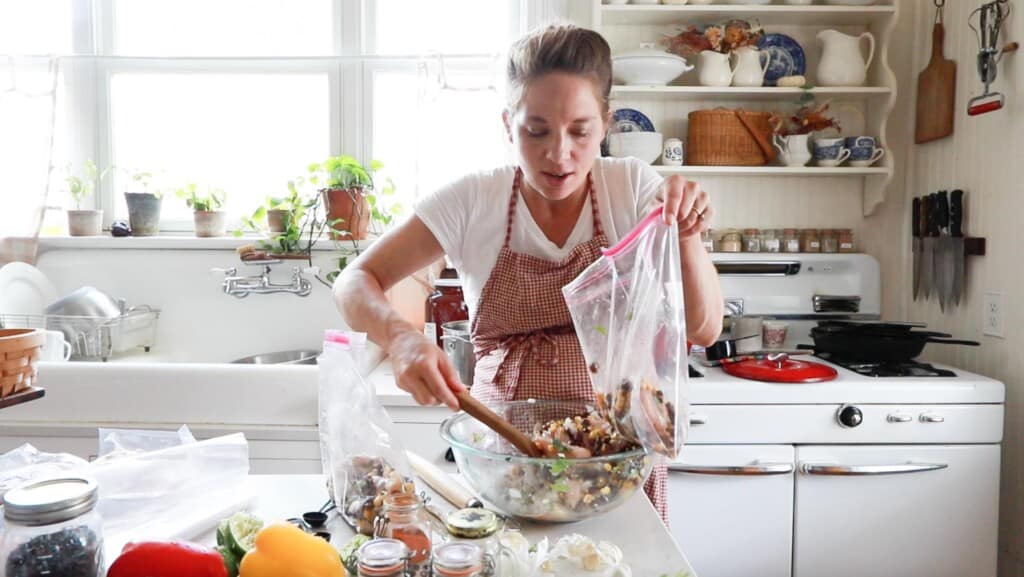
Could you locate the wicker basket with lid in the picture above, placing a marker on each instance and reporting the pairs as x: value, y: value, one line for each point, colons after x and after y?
x: 19, y: 351
x: 722, y: 137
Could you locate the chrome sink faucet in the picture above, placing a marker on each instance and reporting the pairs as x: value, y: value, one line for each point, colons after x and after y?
x: 243, y: 286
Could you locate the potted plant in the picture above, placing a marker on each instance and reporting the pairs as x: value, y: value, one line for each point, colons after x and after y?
x: 279, y: 212
x: 84, y: 222
x: 208, y: 219
x: 143, y: 204
x: 349, y: 195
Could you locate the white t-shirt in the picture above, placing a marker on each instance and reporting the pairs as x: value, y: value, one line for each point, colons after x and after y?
x: 469, y: 216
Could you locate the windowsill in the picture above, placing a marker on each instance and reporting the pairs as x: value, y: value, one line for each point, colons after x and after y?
x: 173, y: 242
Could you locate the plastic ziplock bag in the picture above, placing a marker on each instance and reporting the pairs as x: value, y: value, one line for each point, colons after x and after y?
x: 25, y: 464
x: 627, y: 308
x: 361, y: 456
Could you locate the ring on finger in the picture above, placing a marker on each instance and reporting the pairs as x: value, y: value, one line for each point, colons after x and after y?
x: 699, y: 213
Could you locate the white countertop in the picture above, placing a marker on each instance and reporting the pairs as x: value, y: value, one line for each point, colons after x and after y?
x: 634, y: 526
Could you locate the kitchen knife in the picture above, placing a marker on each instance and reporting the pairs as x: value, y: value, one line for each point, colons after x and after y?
x: 956, y: 231
x: 927, y: 245
x: 915, y: 232
x: 943, y: 264
x: 443, y: 483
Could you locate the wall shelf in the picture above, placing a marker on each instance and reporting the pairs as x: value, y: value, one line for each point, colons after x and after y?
x: 772, y: 170
x: 762, y: 93
x: 766, y: 15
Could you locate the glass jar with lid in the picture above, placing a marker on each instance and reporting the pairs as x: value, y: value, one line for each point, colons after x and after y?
x: 458, y: 559
x: 790, y: 240
x: 707, y: 239
x: 480, y: 527
x: 52, y: 528
x: 751, y: 240
x: 810, y: 242
x: 846, y: 240
x: 405, y: 519
x: 771, y: 240
x: 731, y: 241
x: 382, y: 558
x: 829, y: 240
x: 444, y: 305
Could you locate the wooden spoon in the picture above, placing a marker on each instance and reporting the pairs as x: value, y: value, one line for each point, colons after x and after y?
x: 498, y: 424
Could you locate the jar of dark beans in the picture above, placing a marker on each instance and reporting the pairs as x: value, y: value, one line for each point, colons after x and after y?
x: 53, y: 528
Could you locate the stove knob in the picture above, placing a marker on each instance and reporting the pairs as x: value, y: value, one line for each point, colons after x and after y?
x: 849, y: 416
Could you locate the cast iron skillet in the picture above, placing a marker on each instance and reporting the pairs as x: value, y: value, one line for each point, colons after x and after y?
x: 877, y: 347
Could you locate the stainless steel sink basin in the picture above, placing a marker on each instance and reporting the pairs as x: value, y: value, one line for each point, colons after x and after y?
x: 301, y: 357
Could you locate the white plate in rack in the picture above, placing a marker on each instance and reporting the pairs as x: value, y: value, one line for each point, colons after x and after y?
x: 24, y: 290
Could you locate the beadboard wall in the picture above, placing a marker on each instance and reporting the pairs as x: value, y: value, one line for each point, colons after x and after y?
x: 983, y: 158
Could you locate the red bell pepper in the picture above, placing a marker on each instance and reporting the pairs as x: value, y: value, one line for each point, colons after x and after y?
x: 168, y: 559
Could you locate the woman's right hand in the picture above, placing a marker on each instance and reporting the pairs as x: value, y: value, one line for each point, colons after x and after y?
x: 424, y: 370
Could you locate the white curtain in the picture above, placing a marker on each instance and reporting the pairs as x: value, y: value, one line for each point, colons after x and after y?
x: 28, y: 89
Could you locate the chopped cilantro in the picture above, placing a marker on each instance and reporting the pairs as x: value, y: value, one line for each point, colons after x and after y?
x: 559, y: 466
x: 561, y: 486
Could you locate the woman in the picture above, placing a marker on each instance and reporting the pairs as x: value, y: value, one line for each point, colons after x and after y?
x: 519, y: 234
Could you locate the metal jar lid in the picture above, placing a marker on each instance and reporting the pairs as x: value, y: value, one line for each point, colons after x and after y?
x: 472, y: 523
x: 51, y: 501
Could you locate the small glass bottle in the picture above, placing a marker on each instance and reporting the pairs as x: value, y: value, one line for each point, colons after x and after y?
x: 479, y: 527
x: 810, y: 241
x: 707, y: 240
x: 382, y: 558
x: 751, y: 240
x: 458, y: 559
x: 731, y: 242
x: 790, y: 241
x: 445, y: 304
x: 53, y: 528
x: 770, y: 240
x: 405, y: 519
x: 846, y: 241
x: 829, y: 240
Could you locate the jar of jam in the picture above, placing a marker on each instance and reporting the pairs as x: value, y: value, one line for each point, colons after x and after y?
x: 790, y: 240
x: 846, y: 241
x: 751, y: 240
x: 829, y: 241
x: 810, y: 242
x: 445, y: 304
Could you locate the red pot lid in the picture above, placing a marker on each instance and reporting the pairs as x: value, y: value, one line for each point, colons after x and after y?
x: 781, y: 371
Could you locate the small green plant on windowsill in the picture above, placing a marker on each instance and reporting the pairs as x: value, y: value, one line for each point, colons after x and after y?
x: 209, y: 220
x: 353, y: 201
x: 84, y: 222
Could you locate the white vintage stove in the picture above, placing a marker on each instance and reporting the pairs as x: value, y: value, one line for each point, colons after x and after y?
x: 861, y: 475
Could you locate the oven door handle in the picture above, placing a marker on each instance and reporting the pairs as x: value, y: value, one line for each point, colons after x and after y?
x: 832, y: 469
x: 757, y: 469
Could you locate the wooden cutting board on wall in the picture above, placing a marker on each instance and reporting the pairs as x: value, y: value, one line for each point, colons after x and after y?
x: 936, y: 93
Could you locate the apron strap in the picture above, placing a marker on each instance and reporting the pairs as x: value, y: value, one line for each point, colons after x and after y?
x: 517, y: 182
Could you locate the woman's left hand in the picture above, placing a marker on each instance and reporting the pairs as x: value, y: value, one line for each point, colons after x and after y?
x: 686, y: 203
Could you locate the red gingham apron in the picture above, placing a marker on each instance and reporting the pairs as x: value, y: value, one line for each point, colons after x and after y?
x: 523, y: 335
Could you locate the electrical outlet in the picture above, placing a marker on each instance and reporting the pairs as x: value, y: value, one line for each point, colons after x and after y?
x: 992, y: 315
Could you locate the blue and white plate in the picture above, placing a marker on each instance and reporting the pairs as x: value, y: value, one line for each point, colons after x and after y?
x: 787, y: 57
x: 630, y: 120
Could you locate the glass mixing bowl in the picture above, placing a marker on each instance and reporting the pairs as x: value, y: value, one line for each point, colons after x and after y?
x: 545, y: 489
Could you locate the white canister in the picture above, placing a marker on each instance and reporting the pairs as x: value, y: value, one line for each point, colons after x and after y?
x: 672, y: 152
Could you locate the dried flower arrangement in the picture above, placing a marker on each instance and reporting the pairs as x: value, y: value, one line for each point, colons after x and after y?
x: 808, y: 118
x: 723, y: 38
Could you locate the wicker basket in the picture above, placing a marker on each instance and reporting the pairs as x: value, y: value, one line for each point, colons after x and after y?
x: 723, y: 137
x: 19, y: 351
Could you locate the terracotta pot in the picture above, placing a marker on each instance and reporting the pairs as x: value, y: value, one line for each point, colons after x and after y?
x: 277, y: 220
x: 144, y: 213
x: 85, y: 222
x: 210, y: 223
x: 350, y: 205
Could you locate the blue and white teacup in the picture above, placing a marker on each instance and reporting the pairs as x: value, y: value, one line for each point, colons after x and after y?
x: 863, y: 150
x: 830, y: 151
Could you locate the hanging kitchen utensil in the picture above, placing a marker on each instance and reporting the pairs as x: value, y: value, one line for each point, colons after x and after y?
x: 936, y: 89
x: 990, y: 17
x: 780, y: 369
x: 956, y: 231
x: 927, y: 245
x: 915, y: 217
x: 943, y: 251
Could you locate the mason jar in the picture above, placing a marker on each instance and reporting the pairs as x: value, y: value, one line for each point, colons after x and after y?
x: 480, y: 527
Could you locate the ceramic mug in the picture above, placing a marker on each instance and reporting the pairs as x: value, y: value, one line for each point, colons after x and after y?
x: 672, y: 152
x: 830, y: 151
x: 56, y: 349
x: 863, y: 150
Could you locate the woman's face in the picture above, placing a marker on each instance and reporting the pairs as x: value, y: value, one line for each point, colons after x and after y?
x: 557, y: 129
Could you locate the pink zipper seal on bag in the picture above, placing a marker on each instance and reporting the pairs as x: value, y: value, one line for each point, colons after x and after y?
x: 630, y: 238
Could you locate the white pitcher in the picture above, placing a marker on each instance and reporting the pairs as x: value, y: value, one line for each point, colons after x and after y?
x: 841, y: 61
x: 793, y: 150
x: 714, y: 69
x: 748, y: 70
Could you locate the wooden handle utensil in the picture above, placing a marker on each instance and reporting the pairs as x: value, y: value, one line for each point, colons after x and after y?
x: 498, y: 424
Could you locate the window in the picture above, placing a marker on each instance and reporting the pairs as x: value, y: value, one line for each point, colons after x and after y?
x: 243, y: 95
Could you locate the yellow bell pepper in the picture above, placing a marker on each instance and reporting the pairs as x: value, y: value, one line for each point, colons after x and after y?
x: 287, y: 551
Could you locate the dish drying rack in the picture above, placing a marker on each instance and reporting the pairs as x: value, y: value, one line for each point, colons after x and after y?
x: 96, y: 337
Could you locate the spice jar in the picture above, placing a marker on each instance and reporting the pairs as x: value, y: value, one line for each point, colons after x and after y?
x: 444, y: 305
x: 479, y: 527
x: 846, y: 241
x: 53, y: 528
x: 771, y: 240
x: 405, y: 519
x: 382, y: 558
x: 829, y: 241
x: 730, y: 242
x: 751, y: 240
x: 810, y: 241
x: 790, y: 240
x: 458, y: 559
x: 707, y: 240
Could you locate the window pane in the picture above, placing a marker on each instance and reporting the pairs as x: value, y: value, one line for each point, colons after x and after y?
x: 223, y: 27
x: 35, y: 26
x: 426, y: 138
x: 246, y: 134
x: 446, y: 26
